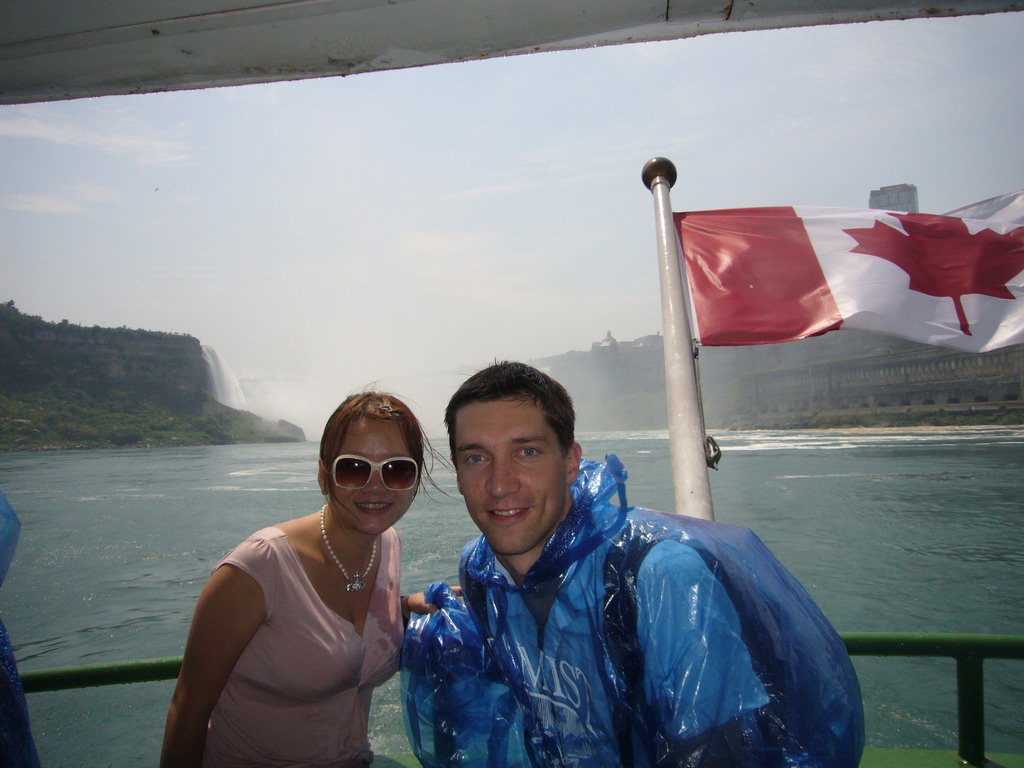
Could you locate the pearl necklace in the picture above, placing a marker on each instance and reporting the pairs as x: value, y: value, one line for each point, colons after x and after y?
x: 357, y: 582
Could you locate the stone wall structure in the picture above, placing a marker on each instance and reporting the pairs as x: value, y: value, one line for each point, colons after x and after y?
x: 621, y: 384
x: 926, y: 376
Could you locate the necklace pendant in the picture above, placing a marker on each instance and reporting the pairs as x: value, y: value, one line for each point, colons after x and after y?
x: 355, y: 583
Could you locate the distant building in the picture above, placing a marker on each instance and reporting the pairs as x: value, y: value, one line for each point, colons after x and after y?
x: 898, y: 197
x: 609, y: 343
x: 925, y: 375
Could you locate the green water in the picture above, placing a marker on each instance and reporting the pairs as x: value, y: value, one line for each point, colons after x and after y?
x: 888, y: 530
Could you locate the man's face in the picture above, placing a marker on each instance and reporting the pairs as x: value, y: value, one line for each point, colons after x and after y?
x: 514, y: 477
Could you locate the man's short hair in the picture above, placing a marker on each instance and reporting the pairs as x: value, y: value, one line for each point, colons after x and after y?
x: 516, y: 381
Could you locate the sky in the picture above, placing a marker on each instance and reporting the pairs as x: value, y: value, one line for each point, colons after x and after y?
x: 404, y: 229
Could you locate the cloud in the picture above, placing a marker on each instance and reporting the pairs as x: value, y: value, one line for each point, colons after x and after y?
x: 33, y: 122
x: 93, y: 192
x: 47, y: 204
x: 72, y: 200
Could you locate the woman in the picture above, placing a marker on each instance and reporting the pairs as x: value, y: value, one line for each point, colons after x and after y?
x: 298, y: 624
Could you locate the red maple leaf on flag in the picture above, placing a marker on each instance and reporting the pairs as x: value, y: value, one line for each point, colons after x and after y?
x: 944, y: 259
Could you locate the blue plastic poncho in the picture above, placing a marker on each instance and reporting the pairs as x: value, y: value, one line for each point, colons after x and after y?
x: 659, y: 639
x: 17, y: 749
x: 458, y: 710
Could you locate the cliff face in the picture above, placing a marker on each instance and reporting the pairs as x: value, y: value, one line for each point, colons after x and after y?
x: 163, y: 367
x: 621, y: 387
x: 65, y: 386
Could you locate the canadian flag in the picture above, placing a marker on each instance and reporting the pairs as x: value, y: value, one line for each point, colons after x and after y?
x: 766, y: 275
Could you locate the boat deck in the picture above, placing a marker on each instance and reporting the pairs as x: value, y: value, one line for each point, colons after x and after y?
x: 876, y: 757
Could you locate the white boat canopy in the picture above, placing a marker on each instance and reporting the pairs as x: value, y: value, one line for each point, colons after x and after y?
x: 54, y: 49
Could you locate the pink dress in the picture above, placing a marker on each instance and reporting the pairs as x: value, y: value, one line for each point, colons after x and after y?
x: 300, y: 692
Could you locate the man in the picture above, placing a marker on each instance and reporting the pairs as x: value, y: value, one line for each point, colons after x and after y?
x: 619, y: 632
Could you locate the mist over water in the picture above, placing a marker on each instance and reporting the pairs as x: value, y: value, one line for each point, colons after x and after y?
x: 307, y: 402
x: 913, y: 530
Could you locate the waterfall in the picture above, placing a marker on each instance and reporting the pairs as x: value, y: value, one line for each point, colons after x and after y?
x: 223, y: 385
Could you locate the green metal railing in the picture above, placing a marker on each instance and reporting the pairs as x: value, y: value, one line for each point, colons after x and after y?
x: 88, y: 675
x: 969, y: 651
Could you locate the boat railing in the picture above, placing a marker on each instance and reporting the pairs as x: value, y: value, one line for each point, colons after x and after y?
x: 968, y: 650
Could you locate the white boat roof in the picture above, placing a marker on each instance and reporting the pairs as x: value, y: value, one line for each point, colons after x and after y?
x: 55, y: 49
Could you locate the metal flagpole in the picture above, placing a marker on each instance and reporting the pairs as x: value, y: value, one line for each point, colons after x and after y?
x: 685, y: 420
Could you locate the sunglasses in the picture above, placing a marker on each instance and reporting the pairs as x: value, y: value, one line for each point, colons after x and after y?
x: 399, y: 473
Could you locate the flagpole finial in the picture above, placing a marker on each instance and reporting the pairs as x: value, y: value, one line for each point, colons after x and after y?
x: 658, y: 166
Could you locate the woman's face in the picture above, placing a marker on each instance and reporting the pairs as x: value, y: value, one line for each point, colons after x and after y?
x: 374, y: 508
